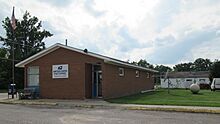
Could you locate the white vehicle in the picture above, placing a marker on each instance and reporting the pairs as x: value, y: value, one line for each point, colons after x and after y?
x: 215, y: 84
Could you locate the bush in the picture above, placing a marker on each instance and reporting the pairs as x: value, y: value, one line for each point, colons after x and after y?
x: 204, y: 86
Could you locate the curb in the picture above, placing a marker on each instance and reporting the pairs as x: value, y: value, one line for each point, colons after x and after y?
x: 75, y: 106
x: 175, y: 110
x: 188, y: 110
x: 28, y: 103
x: 141, y: 108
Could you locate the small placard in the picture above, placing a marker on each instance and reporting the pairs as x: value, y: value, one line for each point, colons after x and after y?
x: 60, y: 71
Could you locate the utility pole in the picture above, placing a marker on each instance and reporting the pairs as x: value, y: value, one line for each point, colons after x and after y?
x: 13, y: 25
x: 13, y: 65
x: 66, y: 42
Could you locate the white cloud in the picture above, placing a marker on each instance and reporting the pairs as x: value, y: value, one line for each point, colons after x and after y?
x: 209, y: 50
x: 129, y: 29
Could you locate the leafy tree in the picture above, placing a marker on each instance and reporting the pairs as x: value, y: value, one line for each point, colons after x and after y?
x: 28, y: 36
x: 134, y: 63
x: 144, y: 63
x: 28, y: 39
x: 162, y: 68
x: 3, y: 53
x: 201, y: 64
x: 184, y: 67
x: 215, y: 70
x: 4, y: 66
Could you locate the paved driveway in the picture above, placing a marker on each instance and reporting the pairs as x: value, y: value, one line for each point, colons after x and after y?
x: 17, y: 114
x: 3, y: 96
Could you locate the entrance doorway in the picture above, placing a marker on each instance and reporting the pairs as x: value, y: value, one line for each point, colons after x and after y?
x: 93, y: 84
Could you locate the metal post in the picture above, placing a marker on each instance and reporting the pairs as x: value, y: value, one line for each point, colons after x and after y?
x: 168, y: 85
x: 66, y: 42
x: 92, y: 81
x: 13, y: 26
x: 13, y: 63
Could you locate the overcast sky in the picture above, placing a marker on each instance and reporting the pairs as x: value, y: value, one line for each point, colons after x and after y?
x: 160, y: 31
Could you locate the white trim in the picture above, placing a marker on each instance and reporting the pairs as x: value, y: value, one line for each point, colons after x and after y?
x: 137, y: 73
x: 36, y: 56
x: 29, y: 83
x: 148, y: 75
x: 121, y: 71
x: 58, y: 45
x: 128, y: 65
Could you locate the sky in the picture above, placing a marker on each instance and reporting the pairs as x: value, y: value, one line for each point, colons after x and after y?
x: 164, y: 32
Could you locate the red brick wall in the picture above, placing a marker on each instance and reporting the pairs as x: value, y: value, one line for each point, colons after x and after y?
x: 74, y: 86
x: 88, y: 82
x: 117, y: 86
x: 70, y: 88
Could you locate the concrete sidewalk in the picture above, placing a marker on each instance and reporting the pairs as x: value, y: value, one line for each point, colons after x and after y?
x: 98, y: 103
x: 3, y: 96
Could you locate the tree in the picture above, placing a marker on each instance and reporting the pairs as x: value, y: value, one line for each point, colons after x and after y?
x: 28, y: 36
x: 134, y: 63
x: 162, y: 68
x: 144, y: 63
x: 4, y: 66
x: 201, y: 64
x: 3, y: 53
x: 215, y: 70
x: 28, y: 39
x: 184, y: 67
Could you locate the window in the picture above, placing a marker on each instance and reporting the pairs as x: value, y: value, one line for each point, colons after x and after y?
x: 33, y: 76
x: 121, y: 72
x: 148, y: 75
x: 188, y: 79
x: 137, y: 73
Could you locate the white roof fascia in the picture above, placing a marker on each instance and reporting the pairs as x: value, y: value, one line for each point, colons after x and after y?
x: 129, y: 65
x: 81, y: 51
x: 109, y: 60
x: 37, y: 55
x: 51, y: 49
x: 58, y: 45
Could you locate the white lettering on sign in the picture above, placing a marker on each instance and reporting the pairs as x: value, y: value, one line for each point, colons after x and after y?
x: 60, y: 71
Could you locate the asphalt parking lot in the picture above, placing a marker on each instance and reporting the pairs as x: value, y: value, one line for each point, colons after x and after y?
x: 17, y: 114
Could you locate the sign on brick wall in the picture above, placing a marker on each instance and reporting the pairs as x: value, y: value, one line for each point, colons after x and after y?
x: 60, y: 71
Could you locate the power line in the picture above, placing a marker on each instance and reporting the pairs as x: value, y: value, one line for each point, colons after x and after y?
x: 11, y: 41
x: 16, y: 43
x: 18, y: 39
x: 9, y: 59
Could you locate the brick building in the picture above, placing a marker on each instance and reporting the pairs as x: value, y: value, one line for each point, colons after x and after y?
x: 64, y: 72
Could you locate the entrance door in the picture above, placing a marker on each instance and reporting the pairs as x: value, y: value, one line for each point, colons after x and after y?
x: 93, y: 81
x: 97, y: 84
x: 97, y: 81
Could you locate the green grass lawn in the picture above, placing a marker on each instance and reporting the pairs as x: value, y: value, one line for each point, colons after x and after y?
x: 176, y: 97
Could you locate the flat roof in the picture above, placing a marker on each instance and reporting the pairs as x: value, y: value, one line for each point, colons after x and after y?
x: 188, y: 74
x: 106, y: 59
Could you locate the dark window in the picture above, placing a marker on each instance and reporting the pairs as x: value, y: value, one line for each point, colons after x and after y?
x: 188, y: 79
x: 121, y: 72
